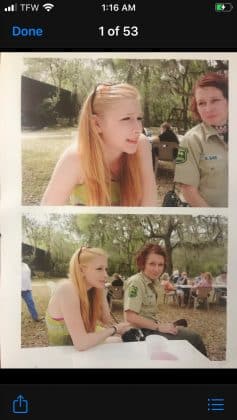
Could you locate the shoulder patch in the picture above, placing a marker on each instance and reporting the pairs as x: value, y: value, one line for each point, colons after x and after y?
x: 132, y: 291
x: 182, y: 155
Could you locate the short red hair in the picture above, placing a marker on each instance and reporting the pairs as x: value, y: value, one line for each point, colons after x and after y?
x: 146, y: 250
x: 217, y: 80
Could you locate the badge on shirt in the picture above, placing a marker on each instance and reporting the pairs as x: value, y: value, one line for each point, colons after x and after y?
x: 210, y: 157
x: 132, y: 292
x: 182, y: 155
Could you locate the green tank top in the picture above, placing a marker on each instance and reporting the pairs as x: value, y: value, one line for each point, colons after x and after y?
x: 58, y: 334
x: 79, y: 195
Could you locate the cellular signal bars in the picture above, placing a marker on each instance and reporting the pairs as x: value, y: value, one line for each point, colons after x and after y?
x: 11, y: 8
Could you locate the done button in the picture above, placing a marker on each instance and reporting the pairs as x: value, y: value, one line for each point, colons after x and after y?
x: 27, y: 32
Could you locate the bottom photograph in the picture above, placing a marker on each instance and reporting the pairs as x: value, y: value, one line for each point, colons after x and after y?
x: 99, y: 287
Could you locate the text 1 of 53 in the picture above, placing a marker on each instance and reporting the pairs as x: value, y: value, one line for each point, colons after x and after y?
x: 119, y: 31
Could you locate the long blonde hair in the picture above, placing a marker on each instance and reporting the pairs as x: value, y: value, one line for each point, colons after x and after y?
x: 97, y: 176
x: 91, y: 302
x: 208, y: 277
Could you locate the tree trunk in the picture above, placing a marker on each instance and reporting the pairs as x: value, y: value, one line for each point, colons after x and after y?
x: 168, y: 248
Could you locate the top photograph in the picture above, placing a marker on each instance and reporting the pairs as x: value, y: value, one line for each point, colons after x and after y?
x: 124, y: 132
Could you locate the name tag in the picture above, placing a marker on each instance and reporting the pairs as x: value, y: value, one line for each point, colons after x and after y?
x: 210, y: 157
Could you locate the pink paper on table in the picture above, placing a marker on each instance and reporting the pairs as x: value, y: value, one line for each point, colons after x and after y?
x: 163, y: 355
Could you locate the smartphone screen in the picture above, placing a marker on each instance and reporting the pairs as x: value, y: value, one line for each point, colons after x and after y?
x: 118, y: 203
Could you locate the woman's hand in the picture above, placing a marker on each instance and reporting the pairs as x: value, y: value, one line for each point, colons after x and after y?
x: 122, y: 327
x: 167, y: 328
x: 192, y: 196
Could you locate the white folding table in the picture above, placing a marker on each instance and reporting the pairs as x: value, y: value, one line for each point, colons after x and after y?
x: 108, y: 355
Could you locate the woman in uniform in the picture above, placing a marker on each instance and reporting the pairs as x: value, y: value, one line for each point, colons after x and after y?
x: 201, y: 164
x: 140, y: 300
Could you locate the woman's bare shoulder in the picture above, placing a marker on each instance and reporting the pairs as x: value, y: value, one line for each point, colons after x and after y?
x: 65, y: 285
x: 71, y: 162
x: 66, y: 291
x: 71, y: 153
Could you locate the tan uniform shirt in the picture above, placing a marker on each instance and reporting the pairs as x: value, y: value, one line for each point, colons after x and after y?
x: 140, y: 296
x: 202, y: 161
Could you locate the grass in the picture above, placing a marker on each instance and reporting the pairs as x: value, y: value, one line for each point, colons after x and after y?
x: 39, y: 156
x: 211, y: 325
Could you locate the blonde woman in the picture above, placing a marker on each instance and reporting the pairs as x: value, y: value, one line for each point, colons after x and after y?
x: 78, y: 312
x: 205, y: 282
x: 111, y: 163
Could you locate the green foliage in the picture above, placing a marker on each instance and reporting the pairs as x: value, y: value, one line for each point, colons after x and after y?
x: 52, y: 234
x: 165, y: 85
x: 194, y: 261
x: 192, y: 243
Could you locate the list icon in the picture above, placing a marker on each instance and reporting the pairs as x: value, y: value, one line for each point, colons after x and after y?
x: 215, y: 404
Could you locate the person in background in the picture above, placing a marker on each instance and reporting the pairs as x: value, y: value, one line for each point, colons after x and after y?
x: 206, y: 281
x: 166, y: 283
x: 26, y: 291
x: 182, y: 294
x: 202, y: 161
x: 174, y: 276
x: 116, y: 280
x: 198, y: 278
x: 167, y: 134
x: 221, y: 280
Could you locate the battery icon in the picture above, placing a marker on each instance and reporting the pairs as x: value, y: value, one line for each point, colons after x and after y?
x: 223, y: 7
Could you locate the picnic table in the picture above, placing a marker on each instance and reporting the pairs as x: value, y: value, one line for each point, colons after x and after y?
x: 109, y: 355
x: 215, y: 286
